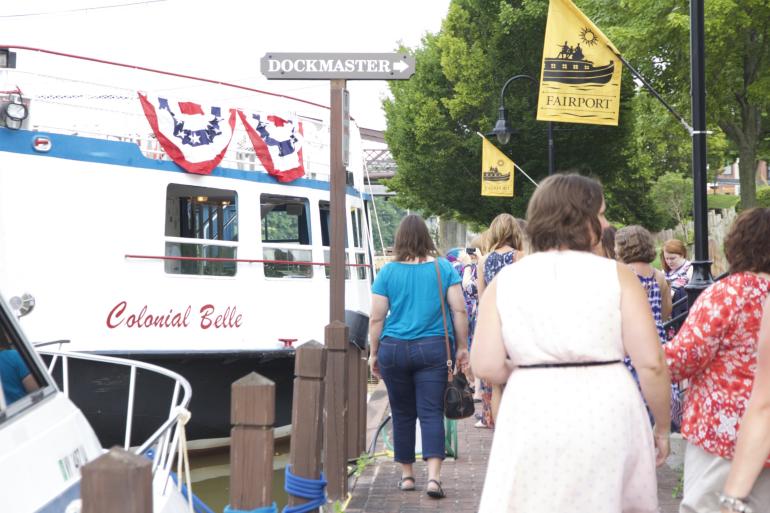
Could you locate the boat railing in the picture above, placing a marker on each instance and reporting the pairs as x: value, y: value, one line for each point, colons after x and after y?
x: 162, y: 442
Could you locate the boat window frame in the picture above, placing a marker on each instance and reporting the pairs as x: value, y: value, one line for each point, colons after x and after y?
x: 9, y: 326
x: 219, y: 243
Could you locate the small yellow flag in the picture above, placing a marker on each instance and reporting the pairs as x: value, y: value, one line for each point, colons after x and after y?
x: 496, y: 171
x: 580, y: 79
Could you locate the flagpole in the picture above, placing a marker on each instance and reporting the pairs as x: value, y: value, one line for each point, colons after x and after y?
x: 653, y: 91
x: 515, y: 165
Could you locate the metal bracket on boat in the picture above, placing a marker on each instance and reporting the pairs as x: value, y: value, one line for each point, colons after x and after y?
x: 288, y: 342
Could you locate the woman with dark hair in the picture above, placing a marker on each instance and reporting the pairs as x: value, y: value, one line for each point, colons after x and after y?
x: 407, y: 347
x: 608, y: 242
x: 716, y: 349
x: 635, y: 248
x: 572, y: 434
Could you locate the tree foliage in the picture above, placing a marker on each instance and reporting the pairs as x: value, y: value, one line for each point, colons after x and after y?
x: 654, y: 36
x: 673, y: 197
x: 433, y: 119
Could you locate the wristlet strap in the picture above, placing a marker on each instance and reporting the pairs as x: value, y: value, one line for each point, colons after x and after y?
x: 443, y: 318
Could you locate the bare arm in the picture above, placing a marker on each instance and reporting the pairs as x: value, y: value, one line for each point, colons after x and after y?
x: 489, y: 356
x: 460, y: 323
x: 641, y: 341
x: 30, y: 383
x: 753, y: 445
x: 380, y: 306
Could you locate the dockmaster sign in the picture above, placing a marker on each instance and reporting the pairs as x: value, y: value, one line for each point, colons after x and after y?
x: 337, y: 66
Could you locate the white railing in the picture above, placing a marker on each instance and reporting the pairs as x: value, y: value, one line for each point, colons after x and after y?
x: 165, y: 438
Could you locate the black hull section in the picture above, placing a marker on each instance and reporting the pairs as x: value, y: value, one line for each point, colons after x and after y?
x: 567, y: 71
x: 101, y: 391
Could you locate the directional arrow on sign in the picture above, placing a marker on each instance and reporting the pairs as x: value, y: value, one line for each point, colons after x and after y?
x: 337, y: 66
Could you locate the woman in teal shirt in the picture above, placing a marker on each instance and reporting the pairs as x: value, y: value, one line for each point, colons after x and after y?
x: 406, y: 332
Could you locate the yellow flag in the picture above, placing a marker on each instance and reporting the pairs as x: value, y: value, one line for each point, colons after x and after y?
x: 580, y: 79
x: 496, y: 171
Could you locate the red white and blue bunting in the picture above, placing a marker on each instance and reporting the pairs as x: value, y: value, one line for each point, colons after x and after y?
x: 195, y: 137
x: 278, y: 144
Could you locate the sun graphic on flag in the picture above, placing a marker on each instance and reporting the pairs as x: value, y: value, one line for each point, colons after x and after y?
x: 588, y: 37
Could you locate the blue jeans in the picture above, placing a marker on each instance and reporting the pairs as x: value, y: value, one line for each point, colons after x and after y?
x: 415, y: 374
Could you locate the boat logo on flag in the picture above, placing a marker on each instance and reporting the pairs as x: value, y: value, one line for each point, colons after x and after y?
x: 277, y: 142
x: 196, y: 138
x: 580, y: 80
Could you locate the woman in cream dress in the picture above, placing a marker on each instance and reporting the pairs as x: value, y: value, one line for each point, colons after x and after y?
x: 573, y: 435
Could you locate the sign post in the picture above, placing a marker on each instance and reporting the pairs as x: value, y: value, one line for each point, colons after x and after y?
x: 337, y: 68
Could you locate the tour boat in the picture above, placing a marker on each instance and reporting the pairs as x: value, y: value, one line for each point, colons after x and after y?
x: 187, y: 228
x: 45, y: 439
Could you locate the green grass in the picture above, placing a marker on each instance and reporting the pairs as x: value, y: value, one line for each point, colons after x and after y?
x: 722, y: 200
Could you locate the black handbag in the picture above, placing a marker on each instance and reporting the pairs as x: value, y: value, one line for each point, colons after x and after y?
x: 458, y: 398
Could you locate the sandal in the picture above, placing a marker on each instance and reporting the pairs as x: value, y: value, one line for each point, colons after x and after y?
x: 403, y: 486
x: 436, y: 493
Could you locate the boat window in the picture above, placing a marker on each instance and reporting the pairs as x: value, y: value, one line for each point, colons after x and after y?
x: 324, y: 208
x: 355, y: 218
x: 19, y: 373
x: 285, y: 219
x: 361, y: 270
x: 202, y: 213
x: 283, y: 268
x: 328, y: 268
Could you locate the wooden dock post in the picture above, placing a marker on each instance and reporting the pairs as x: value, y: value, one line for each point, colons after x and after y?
x: 336, y: 411
x: 117, y: 481
x: 356, y: 411
x: 307, y: 413
x: 252, y: 415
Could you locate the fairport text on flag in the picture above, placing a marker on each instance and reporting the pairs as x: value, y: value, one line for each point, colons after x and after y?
x: 333, y: 65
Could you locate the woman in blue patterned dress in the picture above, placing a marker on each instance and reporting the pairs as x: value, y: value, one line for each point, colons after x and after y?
x: 505, y: 241
x: 634, y: 247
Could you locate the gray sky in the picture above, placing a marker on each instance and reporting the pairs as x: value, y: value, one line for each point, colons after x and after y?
x: 221, y: 39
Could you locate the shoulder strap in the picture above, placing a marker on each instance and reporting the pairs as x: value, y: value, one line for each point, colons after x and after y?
x: 443, y: 318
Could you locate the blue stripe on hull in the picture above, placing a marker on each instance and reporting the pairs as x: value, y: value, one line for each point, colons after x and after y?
x: 119, y: 153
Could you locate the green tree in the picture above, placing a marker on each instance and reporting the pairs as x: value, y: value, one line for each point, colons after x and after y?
x: 433, y: 119
x: 673, y: 195
x: 388, y: 217
x: 654, y: 35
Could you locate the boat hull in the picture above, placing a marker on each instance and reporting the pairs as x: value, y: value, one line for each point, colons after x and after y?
x: 567, y: 71
x: 210, y: 375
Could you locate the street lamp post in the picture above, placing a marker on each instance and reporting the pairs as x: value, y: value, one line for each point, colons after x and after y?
x: 701, y: 276
x: 503, y: 129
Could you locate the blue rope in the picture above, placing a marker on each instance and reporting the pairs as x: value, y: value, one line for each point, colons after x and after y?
x: 265, y: 509
x: 310, y: 489
x: 198, y: 505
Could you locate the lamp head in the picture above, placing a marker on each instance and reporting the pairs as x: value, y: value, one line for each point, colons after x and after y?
x: 502, y: 128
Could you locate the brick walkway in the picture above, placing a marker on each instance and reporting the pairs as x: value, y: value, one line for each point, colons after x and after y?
x: 375, y: 490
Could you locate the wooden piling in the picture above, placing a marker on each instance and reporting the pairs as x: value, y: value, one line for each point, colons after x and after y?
x: 252, y: 415
x: 307, y: 413
x: 336, y: 410
x: 363, y: 378
x: 117, y: 481
x: 357, y: 378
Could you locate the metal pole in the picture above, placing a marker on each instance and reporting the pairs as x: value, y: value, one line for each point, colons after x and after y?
x: 701, y: 277
x: 551, y: 150
x: 337, y: 199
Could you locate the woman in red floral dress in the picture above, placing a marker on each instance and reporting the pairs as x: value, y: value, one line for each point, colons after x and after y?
x: 716, y: 349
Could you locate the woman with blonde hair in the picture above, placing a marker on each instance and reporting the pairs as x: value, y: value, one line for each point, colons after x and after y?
x: 505, y: 240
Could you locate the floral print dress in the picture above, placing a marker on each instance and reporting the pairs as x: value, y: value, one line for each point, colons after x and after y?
x: 493, y: 264
x: 716, y: 349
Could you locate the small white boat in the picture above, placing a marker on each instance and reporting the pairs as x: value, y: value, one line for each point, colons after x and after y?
x: 45, y: 439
